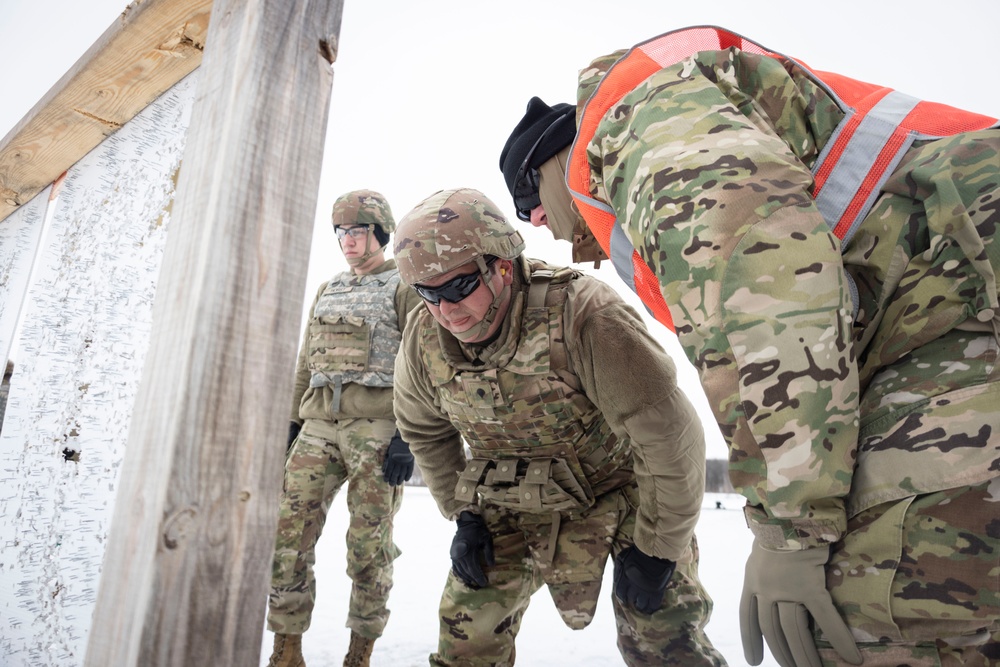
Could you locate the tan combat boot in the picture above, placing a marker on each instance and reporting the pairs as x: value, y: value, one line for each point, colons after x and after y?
x: 287, y: 651
x: 359, y: 652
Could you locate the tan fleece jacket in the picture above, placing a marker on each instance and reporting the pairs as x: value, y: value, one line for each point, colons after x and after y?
x: 624, y: 372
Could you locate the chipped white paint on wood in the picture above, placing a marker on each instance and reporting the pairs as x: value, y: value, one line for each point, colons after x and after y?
x: 85, y: 335
x: 20, y: 237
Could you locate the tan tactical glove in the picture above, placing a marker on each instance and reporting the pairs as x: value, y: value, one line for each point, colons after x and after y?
x: 781, y: 590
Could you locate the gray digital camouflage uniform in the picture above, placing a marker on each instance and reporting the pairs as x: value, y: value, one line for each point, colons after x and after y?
x: 343, y: 397
x: 877, y: 432
x: 579, y: 449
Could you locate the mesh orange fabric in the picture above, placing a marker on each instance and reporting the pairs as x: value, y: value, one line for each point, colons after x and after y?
x: 858, y: 95
x: 941, y: 120
x: 635, y: 67
x: 600, y: 222
x: 648, y: 289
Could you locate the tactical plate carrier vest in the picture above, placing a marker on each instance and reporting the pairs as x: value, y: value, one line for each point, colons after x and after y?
x: 354, y: 334
x: 538, y: 443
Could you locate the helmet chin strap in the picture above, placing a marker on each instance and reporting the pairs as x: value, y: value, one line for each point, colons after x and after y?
x: 480, y: 330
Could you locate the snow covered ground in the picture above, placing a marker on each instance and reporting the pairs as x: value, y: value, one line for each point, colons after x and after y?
x: 424, y: 537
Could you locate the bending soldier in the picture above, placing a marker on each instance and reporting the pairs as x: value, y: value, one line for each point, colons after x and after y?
x: 342, y: 430
x: 581, y: 449
x: 826, y: 258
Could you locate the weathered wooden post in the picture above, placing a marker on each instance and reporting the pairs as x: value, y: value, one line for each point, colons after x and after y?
x: 187, y: 563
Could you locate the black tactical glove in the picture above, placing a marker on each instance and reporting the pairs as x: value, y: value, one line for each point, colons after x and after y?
x: 640, y: 579
x: 471, y: 537
x: 293, y: 432
x: 398, y: 464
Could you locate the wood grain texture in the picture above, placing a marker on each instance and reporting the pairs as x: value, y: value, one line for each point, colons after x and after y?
x: 187, y: 566
x: 152, y: 46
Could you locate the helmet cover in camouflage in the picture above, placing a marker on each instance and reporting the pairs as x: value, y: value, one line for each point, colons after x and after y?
x: 363, y: 207
x: 450, y: 229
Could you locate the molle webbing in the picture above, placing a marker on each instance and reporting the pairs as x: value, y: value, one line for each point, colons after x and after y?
x: 354, y: 334
x: 529, y: 422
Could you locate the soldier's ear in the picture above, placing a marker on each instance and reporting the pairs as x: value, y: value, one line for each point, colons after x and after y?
x: 506, y: 270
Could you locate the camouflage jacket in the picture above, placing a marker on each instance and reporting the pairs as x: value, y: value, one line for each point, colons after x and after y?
x: 830, y: 402
x: 356, y: 400
x: 632, y: 383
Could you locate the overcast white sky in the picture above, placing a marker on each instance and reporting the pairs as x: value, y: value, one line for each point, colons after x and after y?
x: 425, y: 94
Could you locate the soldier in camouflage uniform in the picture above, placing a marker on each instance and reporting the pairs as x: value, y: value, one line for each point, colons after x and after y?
x: 343, y: 430
x: 580, y: 450
x: 856, y: 380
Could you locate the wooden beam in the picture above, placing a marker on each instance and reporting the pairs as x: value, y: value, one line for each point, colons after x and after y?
x: 188, y: 560
x: 152, y: 46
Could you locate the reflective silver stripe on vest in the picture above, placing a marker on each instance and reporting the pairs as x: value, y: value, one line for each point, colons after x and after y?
x: 858, y: 159
x: 620, y: 245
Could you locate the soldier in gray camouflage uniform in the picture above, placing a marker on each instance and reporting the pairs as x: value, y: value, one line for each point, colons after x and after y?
x: 343, y: 430
x: 864, y: 427
x: 581, y: 450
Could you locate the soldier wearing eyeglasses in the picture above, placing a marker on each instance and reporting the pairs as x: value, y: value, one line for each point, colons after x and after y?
x: 343, y: 430
x: 582, y: 445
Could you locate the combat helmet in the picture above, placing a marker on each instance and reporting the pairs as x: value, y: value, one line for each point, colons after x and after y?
x: 367, y: 208
x: 452, y: 228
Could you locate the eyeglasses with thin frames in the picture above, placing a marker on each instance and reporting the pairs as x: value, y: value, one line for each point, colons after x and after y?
x: 356, y: 233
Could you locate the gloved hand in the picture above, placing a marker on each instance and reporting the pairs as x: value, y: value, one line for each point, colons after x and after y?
x: 398, y: 464
x: 640, y: 579
x: 293, y: 432
x: 781, y: 590
x: 471, y: 537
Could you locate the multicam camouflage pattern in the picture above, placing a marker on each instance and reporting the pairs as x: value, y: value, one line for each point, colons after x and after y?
x: 709, y: 173
x: 522, y: 409
x: 707, y: 165
x: 938, y: 404
x: 937, y: 591
x: 322, y: 458
x: 354, y: 331
x: 538, y: 443
x: 570, y: 552
x: 363, y: 207
x: 791, y: 421
x: 450, y: 229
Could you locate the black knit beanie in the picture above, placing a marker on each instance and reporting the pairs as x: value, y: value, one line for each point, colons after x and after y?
x: 537, y: 118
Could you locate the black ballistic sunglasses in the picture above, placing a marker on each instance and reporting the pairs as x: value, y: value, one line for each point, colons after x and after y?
x: 454, y: 290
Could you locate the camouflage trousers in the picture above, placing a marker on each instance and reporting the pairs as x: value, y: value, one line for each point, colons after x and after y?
x: 918, y: 580
x: 568, y: 553
x: 322, y: 458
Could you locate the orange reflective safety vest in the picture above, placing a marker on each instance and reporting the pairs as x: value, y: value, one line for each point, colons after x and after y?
x: 879, y: 126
